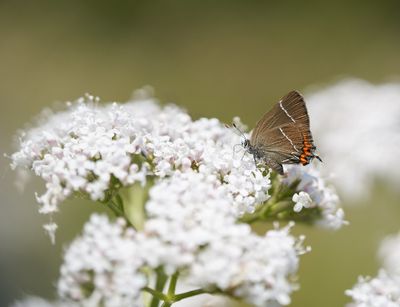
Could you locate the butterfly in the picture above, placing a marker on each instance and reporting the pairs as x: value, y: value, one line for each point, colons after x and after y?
x: 282, y: 135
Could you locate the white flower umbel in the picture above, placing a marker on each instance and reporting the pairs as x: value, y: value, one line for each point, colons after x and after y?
x: 93, y: 149
x: 357, y: 127
x: 380, y: 291
x: 190, y: 198
x: 193, y: 211
x: 102, y: 267
x: 256, y: 269
x: 384, y: 289
x: 106, y: 264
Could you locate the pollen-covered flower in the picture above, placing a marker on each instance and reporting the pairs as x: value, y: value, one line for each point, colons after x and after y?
x: 357, y: 125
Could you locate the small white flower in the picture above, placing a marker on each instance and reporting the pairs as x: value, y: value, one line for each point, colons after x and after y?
x: 322, y: 195
x: 301, y: 200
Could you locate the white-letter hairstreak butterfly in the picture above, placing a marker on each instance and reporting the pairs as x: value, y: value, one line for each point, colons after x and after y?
x: 282, y: 135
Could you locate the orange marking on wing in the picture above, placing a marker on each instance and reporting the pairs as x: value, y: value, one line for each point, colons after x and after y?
x: 307, y: 149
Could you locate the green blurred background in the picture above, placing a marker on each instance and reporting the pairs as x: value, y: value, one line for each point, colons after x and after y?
x: 217, y: 59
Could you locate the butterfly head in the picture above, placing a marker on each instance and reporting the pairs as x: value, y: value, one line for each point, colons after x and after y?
x: 246, y: 143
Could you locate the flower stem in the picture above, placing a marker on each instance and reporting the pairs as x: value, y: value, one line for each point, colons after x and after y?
x: 183, y: 295
x: 172, y: 284
x: 160, y: 283
x: 159, y: 295
x: 169, y: 298
x: 114, y: 208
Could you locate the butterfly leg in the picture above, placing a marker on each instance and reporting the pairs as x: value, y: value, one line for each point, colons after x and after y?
x: 255, y: 160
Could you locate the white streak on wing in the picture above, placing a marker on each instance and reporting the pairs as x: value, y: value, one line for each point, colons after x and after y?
x: 288, y: 139
x: 284, y: 110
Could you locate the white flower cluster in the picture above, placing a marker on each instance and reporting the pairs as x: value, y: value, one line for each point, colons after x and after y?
x: 380, y: 291
x: 384, y: 289
x: 222, y: 253
x: 199, y: 190
x: 102, y: 267
x: 90, y: 147
x: 358, y: 130
x: 257, y: 269
x: 313, y: 187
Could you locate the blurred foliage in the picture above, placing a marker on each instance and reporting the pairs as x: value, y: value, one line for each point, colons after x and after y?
x: 215, y: 58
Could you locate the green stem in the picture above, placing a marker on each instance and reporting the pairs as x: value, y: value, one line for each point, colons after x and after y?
x: 161, y: 296
x: 250, y: 218
x: 184, y: 295
x: 169, y: 298
x: 114, y: 208
x: 278, y: 207
x: 160, y: 283
x: 269, y: 210
x: 172, y: 284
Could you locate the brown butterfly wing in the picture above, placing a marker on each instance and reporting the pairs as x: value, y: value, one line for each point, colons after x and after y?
x: 283, y: 134
x: 284, y: 144
x: 290, y: 109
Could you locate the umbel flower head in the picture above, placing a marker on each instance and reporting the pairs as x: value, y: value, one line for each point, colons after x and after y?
x: 107, y: 264
x: 384, y: 289
x: 358, y: 131
x: 184, y: 202
x: 93, y: 150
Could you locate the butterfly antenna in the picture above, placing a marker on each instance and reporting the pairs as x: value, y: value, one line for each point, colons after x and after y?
x: 318, y: 157
x: 241, y: 133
